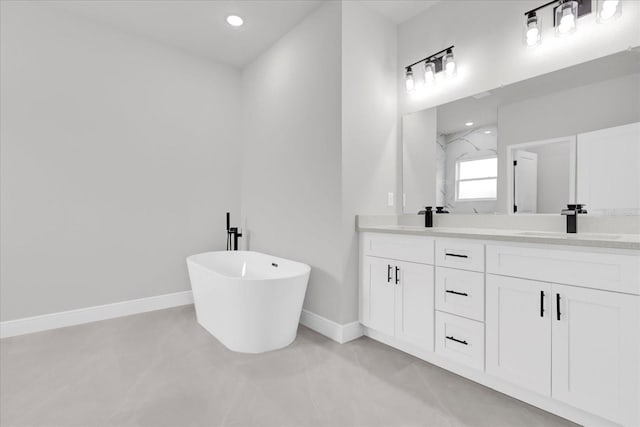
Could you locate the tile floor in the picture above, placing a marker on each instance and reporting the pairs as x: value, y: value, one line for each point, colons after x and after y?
x: 163, y: 369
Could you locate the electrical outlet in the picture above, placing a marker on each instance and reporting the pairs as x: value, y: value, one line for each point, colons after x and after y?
x: 390, y: 199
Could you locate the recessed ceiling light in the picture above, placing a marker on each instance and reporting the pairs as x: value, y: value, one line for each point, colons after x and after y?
x: 487, y: 132
x: 234, y: 20
x: 469, y: 124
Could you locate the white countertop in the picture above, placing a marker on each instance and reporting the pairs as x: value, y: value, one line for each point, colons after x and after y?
x: 599, y: 240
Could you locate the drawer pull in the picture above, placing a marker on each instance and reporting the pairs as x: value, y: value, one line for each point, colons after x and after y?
x: 456, y: 255
x: 457, y: 293
x: 541, y: 303
x: 388, y: 273
x: 457, y: 340
x: 397, y: 276
x: 558, y: 306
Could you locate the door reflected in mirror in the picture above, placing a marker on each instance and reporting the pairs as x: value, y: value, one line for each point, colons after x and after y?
x: 543, y: 175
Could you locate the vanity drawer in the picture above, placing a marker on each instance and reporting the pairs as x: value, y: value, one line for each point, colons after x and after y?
x: 606, y: 271
x: 460, y: 340
x: 460, y: 292
x: 461, y: 254
x: 404, y: 248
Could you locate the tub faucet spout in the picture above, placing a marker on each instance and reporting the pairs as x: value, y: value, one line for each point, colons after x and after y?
x: 233, y: 233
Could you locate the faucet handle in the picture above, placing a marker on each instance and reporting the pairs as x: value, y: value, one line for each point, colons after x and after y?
x: 574, y: 209
x: 578, y: 208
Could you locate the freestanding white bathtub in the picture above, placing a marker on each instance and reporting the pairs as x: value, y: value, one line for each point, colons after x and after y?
x: 249, y: 301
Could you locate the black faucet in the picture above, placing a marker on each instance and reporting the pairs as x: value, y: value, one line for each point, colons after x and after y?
x: 428, y: 216
x: 232, y: 235
x: 441, y: 210
x: 572, y: 212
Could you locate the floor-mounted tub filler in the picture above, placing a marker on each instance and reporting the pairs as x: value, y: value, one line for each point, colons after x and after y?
x: 251, y: 302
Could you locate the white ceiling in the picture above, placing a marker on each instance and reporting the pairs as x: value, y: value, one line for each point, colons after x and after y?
x: 399, y: 11
x: 199, y: 26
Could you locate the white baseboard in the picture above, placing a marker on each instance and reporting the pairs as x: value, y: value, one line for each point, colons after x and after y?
x: 61, y: 319
x: 330, y: 329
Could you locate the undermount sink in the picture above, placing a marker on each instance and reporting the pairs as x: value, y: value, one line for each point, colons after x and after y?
x: 597, y: 236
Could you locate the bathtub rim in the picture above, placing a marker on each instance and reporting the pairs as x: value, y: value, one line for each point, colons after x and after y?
x: 306, y: 268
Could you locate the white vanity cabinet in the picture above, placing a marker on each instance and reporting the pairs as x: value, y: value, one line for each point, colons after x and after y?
x: 556, y: 326
x: 397, y: 295
x: 459, y: 294
x: 595, y: 341
x: 379, y: 310
x: 571, y: 342
x: 414, y: 304
x: 519, y: 332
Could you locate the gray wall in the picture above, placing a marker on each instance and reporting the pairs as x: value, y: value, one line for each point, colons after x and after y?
x: 120, y: 156
x: 115, y: 155
x: 369, y: 131
x: 601, y: 105
x: 291, y: 170
x: 319, y: 116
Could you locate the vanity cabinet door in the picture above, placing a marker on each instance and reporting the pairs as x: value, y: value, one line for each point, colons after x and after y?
x: 415, y: 304
x: 518, y: 332
x: 596, y: 355
x: 379, y: 294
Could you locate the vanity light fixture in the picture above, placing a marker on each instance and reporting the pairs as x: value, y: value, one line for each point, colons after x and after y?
x: 565, y: 17
x: 433, y: 65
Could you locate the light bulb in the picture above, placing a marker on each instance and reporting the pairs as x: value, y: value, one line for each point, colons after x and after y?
x: 532, y: 30
x: 566, y: 17
x: 429, y: 72
x: 234, y: 20
x: 532, y: 36
x: 409, y: 82
x: 449, y: 63
x: 608, y: 10
x: 567, y: 23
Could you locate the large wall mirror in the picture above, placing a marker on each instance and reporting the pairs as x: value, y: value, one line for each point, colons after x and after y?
x: 571, y: 136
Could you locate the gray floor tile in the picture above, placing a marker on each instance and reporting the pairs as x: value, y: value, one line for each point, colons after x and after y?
x: 163, y: 369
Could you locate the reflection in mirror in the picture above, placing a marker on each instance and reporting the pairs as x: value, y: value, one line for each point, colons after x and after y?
x: 460, y: 155
x: 467, y: 170
x: 543, y: 175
